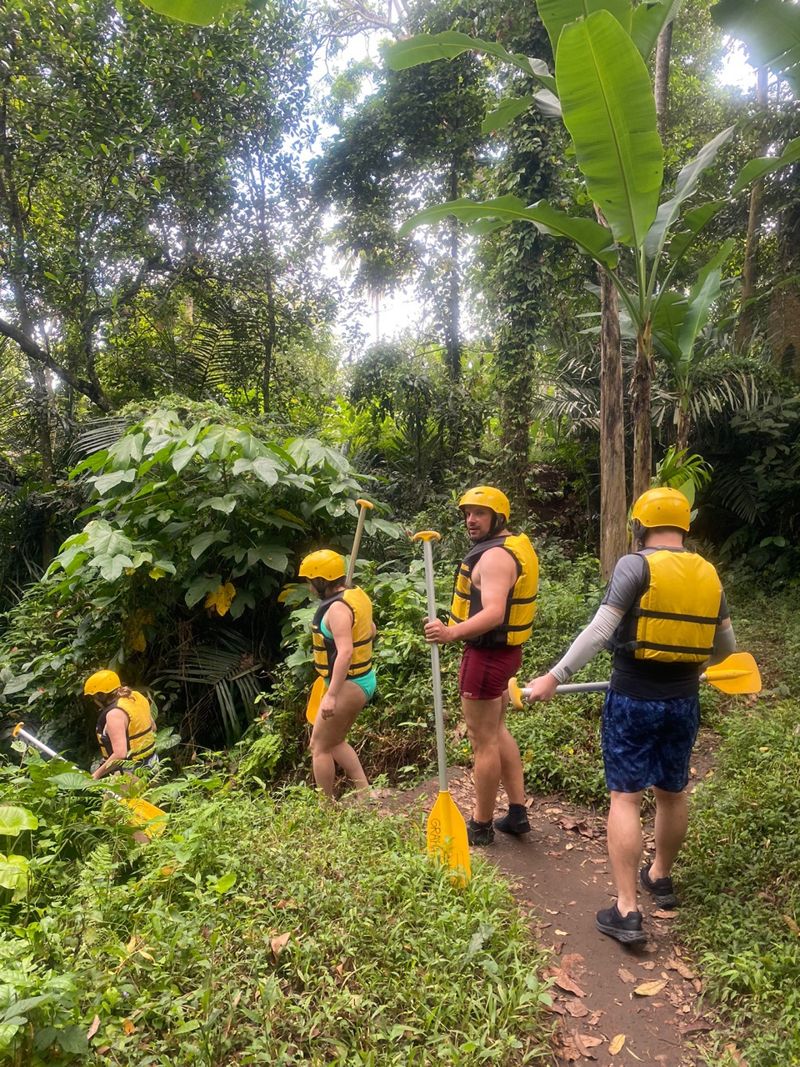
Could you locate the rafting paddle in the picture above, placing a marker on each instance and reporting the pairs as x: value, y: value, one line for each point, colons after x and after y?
x: 446, y: 829
x: 738, y: 673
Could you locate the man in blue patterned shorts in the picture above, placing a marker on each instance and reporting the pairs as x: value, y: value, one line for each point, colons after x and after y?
x: 666, y: 613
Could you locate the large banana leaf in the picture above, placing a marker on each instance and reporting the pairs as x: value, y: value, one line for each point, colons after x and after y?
x: 764, y: 165
x: 686, y: 186
x: 648, y: 20
x: 198, y: 12
x: 770, y: 30
x: 590, y: 237
x: 556, y: 14
x: 427, y: 47
x: 704, y: 292
x: 510, y: 107
x: 609, y: 110
x: 693, y: 222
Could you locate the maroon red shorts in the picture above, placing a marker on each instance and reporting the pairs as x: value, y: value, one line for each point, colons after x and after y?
x: 485, y: 672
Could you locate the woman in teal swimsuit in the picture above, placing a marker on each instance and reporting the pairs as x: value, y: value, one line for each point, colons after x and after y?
x: 342, y: 632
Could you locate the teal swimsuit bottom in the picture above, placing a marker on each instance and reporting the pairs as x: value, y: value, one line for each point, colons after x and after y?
x: 368, y: 682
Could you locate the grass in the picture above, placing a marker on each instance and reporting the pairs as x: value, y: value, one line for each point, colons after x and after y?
x: 287, y: 932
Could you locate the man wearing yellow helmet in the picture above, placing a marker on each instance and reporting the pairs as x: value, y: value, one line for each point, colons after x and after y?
x: 494, y: 602
x: 342, y: 632
x: 125, y: 729
x: 666, y: 615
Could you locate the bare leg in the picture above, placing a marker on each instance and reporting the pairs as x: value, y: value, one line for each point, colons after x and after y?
x: 672, y: 820
x: 347, y: 758
x: 483, y: 726
x: 511, y: 772
x: 625, y: 846
x: 328, y: 736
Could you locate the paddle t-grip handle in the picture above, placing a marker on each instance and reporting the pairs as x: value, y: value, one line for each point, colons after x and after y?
x: 363, y: 507
x: 427, y: 537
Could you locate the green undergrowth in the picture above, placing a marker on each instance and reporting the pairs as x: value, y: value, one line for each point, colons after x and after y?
x: 740, y: 871
x: 261, y: 930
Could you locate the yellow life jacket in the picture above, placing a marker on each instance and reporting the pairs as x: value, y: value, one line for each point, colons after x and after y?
x: 141, y: 730
x: 521, y: 602
x: 676, y: 617
x: 324, y: 647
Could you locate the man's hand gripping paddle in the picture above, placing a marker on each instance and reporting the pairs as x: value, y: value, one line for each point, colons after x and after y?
x: 146, y: 816
x: 446, y: 829
x: 737, y: 674
x: 318, y: 688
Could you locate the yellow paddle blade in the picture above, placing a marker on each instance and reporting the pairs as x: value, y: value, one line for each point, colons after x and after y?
x: 514, y: 692
x: 447, y: 838
x: 315, y: 699
x: 738, y: 673
x: 151, y: 819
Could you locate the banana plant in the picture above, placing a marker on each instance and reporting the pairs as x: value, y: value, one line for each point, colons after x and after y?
x: 605, y: 97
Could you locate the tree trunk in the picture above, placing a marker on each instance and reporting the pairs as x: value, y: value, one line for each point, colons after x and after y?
x: 745, y: 325
x: 661, y: 86
x: 640, y: 411
x: 613, y: 506
x: 515, y: 372
x: 268, y: 340
x: 683, y: 427
x: 452, y: 329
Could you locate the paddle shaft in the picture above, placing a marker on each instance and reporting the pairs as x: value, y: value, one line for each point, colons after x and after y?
x: 581, y: 687
x: 351, y: 566
x: 37, y: 743
x: 427, y: 554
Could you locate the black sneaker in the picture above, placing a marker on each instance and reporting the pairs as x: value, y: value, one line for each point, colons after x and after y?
x: 660, y: 889
x: 480, y: 833
x: 516, y: 822
x: 627, y: 929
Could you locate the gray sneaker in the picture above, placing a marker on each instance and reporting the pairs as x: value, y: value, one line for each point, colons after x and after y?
x: 660, y: 889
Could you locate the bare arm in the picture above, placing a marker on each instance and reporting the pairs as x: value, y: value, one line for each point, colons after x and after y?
x: 497, y: 575
x: 117, y: 732
x: 339, y: 621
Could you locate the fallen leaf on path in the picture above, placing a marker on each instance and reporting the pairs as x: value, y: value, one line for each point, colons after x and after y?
x: 681, y: 968
x: 792, y: 924
x: 562, y: 933
x: 93, y: 1028
x: 616, y: 1043
x: 559, y: 1009
x: 567, y: 1050
x: 648, y: 965
x: 278, y: 944
x: 563, y: 981
x: 662, y: 913
x: 736, y: 1056
x: 573, y: 963
x: 626, y: 975
x: 594, y: 1018
x: 128, y: 1027
x: 550, y: 911
x: 696, y: 1026
x: 650, y: 989
x: 584, y: 1043
x: 576, y: 1008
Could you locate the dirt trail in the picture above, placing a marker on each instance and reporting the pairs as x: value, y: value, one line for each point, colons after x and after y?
x: 601, y: 989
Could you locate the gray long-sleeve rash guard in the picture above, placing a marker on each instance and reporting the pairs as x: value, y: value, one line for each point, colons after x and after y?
x: 600, y: 631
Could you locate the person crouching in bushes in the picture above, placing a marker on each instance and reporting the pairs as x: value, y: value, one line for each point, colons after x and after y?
x: 342, y: 632
x: 125, y: 729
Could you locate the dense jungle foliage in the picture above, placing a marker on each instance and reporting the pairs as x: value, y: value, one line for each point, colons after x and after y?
x: 204, y: 243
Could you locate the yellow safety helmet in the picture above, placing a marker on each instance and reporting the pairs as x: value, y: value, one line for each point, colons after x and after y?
x: 486, y: 496
x: 101, y: 682
x: 325, y: 564
x: 662, y: 507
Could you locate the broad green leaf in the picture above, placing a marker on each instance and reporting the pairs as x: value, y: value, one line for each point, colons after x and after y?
x: 770, y: 30
x: 128, y: 449
x: 764, y: 165
x: 271, y: 556
x: 685, y: 186
x: 205, y: 540
x: 17, y: 684
x: 14, y: 819
x: 111, y: 567
x: 200, y: 588
x: 505, y: 113
x: 226, y: 882
x: 104, y: 482
x: 609, y: 110
x: 198, y: 12
x: 73, y: 781
x: 14, y: 874
x: 648, y: 20
x: 266, y: 470
x: 556, y: 14
x: 590, y: 237
x: 694, y: 222
x: 183, y: 456
x: 669, y: 315
x: 225, y: 504
x: 428, y: 47
x: 704, y: 292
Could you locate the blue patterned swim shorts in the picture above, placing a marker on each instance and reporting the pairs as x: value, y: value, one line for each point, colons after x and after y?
x: 648, y: 742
